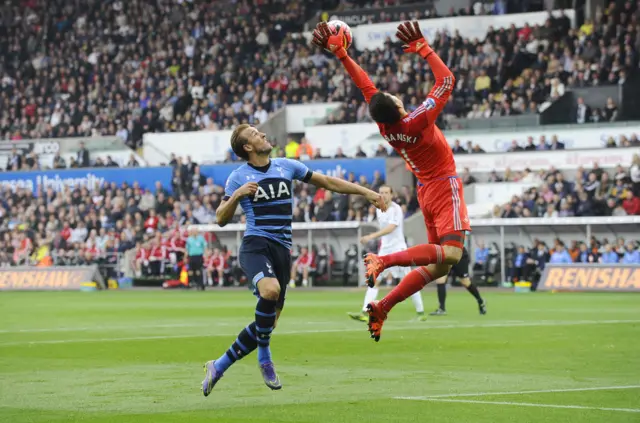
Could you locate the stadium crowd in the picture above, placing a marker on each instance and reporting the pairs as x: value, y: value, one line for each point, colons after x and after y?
x: 527, y: 264
x: 89, y: 68
x: 592, y: 192
x: 543, y: 144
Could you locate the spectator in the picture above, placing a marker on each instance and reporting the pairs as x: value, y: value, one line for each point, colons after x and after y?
x: 481, y: 263
x: 292, y: 149
x: 378, y: 181
x: 381, y: 151
x: 610, y: 111
x: 631, y: 205
x: 467, y: 177
x: 586, y: 256
x: 542, y: 144
x: 515, y: 147
x: 560, y: 255
x: 556, y: 144
x: 523, y: 265
x: 540, y: 256
x: 318, y: 154
x: 609, y: 256
x: 340, y: 154
x: 477, y: 149
x: 494, y: 177
x: 551, y: 212
x: 360, y: 153
x: 83, y: 156
x: 482, y: 254
x: 584, y: 111
x: 592, y: 187
x: 530, y: 145
x: 631, y: 255
x: 305, y: 151
x: 634, y: 174
x: 457, y: 148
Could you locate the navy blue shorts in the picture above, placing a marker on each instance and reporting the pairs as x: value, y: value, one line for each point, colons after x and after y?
x: 263, y: 258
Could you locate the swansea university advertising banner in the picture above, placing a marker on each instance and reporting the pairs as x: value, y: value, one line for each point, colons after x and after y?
x: 590, y: 277
x: 148, y: 176
x: 76, y: 178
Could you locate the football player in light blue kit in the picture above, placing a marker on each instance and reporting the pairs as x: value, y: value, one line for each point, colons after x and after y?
x: 263, y: 188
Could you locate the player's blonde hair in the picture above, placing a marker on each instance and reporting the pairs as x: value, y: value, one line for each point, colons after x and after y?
x: 238, y: 141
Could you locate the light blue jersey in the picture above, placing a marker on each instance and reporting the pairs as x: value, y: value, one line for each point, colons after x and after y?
x: 270, y: 211
x: 196, y: 245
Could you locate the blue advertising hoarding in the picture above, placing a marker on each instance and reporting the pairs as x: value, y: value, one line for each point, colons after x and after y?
x: 76, y: 178
x: 148, y: 176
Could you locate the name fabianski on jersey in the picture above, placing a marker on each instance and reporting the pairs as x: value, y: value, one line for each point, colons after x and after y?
x: 401, y: 138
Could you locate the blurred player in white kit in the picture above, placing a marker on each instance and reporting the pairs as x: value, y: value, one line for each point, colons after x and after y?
x: 391, y: 236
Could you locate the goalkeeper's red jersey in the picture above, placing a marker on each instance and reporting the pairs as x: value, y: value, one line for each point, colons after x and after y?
x: 416, y: 137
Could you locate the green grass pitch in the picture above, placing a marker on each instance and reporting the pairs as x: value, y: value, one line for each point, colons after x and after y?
x: 136, y: 356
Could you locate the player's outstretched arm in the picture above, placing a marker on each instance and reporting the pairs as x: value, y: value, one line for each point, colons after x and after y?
x: 414, y: 42
x: 378, y: 234
x: 324, y: 38
x: 229, y: 204
x: 345, y: 187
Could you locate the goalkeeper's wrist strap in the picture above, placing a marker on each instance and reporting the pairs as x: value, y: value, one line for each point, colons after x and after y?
x: 425, y: 51
x: 340, y: 53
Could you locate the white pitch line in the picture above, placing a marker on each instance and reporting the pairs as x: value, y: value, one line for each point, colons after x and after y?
x: 530, y: 404
x: 542, y: 391
x: 109, y: 328
x: 506, y: 323
x: 415, y: 326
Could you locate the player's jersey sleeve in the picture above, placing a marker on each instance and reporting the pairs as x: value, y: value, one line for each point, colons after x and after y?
x: 233, y: 183
x: 360, y: 78
x: 299, y: 170
x: 427, y: 113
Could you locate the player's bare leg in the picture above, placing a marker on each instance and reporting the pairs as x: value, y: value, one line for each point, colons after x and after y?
x: 305, y: 276
x: 294, y: 275
x: 220, y: 277
x: 412, y: 283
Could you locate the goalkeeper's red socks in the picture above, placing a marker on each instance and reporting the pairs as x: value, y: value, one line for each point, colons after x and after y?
x: 420, y: 255
x: 412, y: 283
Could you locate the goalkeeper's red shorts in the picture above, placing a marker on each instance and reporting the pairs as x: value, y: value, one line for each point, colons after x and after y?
x: 444, y: 210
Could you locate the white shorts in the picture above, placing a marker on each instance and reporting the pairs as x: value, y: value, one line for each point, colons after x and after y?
x: 397, y: 272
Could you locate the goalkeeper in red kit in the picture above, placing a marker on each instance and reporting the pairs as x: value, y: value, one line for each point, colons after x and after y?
x: 417, y: 139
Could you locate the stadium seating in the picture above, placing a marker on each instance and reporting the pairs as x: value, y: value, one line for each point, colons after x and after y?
x: 209, y: 75
x: 591, y: 193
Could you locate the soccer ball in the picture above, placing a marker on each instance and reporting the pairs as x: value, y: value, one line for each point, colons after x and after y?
x: 335, y: 27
